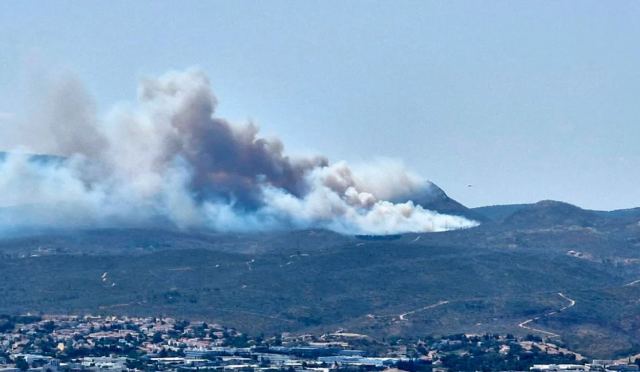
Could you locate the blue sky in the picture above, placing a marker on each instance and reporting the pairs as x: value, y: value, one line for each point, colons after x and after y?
x: 523, y: 100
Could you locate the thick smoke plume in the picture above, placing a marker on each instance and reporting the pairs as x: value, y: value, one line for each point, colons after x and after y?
x: 169, y: 160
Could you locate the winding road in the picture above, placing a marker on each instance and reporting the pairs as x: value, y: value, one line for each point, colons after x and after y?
x: 403, y: 316
x: 524, y: 325
x: 632, y: 283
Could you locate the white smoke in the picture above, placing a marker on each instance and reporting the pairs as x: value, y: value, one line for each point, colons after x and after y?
x: 169, y: 160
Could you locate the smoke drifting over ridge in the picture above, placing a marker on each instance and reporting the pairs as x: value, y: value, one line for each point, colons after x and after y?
x: 170, y: 160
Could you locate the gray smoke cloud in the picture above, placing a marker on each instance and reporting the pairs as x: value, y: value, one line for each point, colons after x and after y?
x: 167, y: 159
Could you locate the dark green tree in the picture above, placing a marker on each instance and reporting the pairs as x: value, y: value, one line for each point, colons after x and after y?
x: 22, y: 364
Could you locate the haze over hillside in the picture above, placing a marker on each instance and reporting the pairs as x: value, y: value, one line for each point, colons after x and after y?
x: 170, y: 160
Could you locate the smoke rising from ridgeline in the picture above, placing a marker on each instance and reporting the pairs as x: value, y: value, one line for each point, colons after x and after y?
x: 170, y: 160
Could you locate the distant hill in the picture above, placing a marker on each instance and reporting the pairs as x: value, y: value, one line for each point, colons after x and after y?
x: 620, y: 213
x: 497, y: 213
x: 435, y: 199
x: 549, y: 213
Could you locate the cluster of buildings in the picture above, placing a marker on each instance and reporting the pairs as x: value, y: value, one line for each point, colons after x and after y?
x: 94, y: 343
x: 97, y: 343
x: 595, y: 365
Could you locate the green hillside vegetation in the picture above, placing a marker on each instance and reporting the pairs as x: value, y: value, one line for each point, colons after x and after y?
x: 484, y: 280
